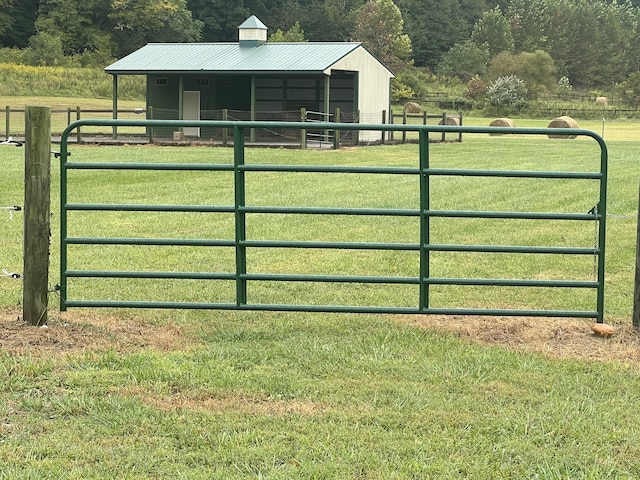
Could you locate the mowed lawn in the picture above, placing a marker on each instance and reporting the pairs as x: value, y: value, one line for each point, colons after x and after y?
x: 207, y: 394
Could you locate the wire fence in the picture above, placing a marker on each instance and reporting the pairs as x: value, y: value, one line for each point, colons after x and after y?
x: 14, y: 127
x: 9, y: 262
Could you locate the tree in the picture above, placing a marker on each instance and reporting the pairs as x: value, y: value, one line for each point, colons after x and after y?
x: 380, y: 28
x: 81, y: 25
x: 493, y: 31
x: 220, y: 18
x: 592, y: 42
x: 138, y: 22
x: 630, y: 90
x: 17, y: 22
x: 537, y: 70
x: 294, y: 34
x: 45, y: 49
x: 435, y: 26
x: 330, y: 20
x: 464, y: 60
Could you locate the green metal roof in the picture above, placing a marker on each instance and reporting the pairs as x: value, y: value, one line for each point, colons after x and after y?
x: 253, y: 22
x: 303, y: 57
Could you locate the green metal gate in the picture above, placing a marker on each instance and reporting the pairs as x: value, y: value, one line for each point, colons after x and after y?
x: 423, y: 246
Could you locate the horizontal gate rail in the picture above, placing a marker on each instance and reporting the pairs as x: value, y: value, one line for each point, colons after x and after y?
x: 241, y: 243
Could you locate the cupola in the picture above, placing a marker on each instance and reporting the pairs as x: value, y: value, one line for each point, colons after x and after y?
x: 252, y: 32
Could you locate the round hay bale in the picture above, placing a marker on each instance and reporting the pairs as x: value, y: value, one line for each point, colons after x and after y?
x: 502, y: 122
x: 450, y: 121
x: 602, y: 101
x: 563, y: 122
x: 411, y: 107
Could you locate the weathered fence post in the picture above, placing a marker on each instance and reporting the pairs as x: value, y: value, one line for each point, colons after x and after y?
x: 225, y: 131
x: 384, y: 120
x: 404, y: 122
x: 37, y: 208
x: 336, y: 133
x: 78, y: 134
x: 636, y: 294
x: 303, y: 131
x: 8, y: 120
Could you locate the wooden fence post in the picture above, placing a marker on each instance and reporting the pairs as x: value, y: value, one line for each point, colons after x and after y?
x: 225, y: 131
x: 78, y: 133
x: 303, y: 131
x: 7, y: 121
x: 37, y: 209
x: 404, y: 122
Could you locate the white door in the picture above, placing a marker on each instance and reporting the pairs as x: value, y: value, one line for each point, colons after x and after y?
x: 191, y: 111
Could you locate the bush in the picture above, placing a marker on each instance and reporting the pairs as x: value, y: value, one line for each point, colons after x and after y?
x: 507, y: 95
x: 476, y: 88
x: 46, y: 49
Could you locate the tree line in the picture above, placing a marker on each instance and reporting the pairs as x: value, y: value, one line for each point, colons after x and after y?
x: 593, y: 44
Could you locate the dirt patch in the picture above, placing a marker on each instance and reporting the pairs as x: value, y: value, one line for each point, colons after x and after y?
x: 258, y: 404
x: 74, y: 332
x: 554, y: 337
x: 77, y: 332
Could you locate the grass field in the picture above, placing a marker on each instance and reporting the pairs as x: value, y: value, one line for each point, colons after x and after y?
x: 355, y: 191
x: 190, y: 394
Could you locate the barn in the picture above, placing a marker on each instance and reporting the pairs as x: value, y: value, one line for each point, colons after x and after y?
x: 253, y: 79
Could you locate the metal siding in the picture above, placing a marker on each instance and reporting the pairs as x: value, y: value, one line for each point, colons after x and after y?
x: 230, y: 57
x: 373, y: 87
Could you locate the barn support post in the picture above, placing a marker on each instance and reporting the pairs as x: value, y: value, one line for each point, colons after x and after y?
x: 115, y: 105
x: 180, y: 100
x: 150, y: 128
x: 327, y: 104
x: 636, y: 291
x: 37, y: 209
x: 252, y: 113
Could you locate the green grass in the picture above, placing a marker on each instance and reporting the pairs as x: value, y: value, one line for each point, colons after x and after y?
x: 358, y: 191
x: 293, y: 395
x: 297, y: 396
